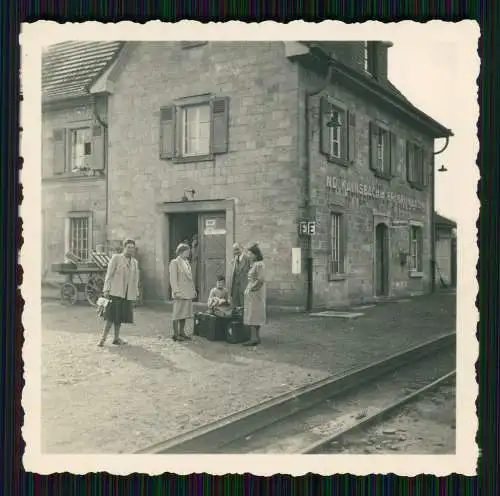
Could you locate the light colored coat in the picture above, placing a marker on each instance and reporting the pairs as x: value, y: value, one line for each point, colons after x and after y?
x: 122, y: 277
x: 254, y: 312
x: 181, y: 279
x: 239, y: 280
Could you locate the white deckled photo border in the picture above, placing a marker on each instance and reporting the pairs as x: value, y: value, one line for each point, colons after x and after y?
x: 465, y: 34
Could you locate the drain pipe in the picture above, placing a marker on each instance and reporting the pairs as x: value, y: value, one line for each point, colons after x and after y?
x: 433, y: 226
x: 308, y: 200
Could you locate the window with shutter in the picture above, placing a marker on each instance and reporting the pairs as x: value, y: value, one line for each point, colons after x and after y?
x: 380, y: 151
x: 97, y: 150
x: 195, y: 130
x: 81, y: 149
x: 337, y: 131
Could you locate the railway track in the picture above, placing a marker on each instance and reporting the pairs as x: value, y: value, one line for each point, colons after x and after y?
x: 308, y: 420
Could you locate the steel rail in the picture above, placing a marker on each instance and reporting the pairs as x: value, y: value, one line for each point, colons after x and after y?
x: 378, y: 416
x: 211, y: 437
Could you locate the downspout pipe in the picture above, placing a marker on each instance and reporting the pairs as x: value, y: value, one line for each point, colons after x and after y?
x: 100, y: 120
x: 433, y: 225
x: 309, y: 191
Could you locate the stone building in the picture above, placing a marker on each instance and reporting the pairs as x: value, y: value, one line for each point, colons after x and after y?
x: 248, y: 141
x: 446, y: 251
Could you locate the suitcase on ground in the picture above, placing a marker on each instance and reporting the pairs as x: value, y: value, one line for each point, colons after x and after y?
x: 210, y: 327
x: 237, y: 332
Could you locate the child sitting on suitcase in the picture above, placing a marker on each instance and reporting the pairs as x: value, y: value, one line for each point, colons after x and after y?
x: 218, y: 299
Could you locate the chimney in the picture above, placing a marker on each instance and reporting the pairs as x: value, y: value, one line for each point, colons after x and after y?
x: 380, y: 52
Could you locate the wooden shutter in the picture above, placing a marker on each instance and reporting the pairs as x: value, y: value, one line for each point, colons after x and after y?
x: 373, y: 145
x: 59, y: 159
x: 394, y: 158
x: 324, y: 135
x: 98, y: 148
x: 220, y: 124
x: 351, y: 137
x: 167, y: 132
x: 427, y: 167
x: 408, y: 161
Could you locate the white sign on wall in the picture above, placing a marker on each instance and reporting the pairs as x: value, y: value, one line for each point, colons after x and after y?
x: 296, y: 261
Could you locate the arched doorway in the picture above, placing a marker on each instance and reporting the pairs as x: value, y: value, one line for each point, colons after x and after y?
x: 381, y: 260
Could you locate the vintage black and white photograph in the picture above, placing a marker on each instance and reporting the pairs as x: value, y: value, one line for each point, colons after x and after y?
x: 250, y: 245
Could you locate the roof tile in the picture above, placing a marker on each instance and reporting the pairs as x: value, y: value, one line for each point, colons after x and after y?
x: 69, y: 68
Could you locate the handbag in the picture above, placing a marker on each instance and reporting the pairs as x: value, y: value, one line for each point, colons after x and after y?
x: 102, y: 303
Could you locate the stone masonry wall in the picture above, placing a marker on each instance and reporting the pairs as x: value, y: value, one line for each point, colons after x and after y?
x: 61, y: 195
x: 358, y: 284
x: 260, y: 170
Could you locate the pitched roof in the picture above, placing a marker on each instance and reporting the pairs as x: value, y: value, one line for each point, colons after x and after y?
x: 443, y: 221
x: 69, y: 68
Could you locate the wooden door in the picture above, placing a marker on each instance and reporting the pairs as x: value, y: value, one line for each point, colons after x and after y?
x: 381, y: 260
x: 212, y: 259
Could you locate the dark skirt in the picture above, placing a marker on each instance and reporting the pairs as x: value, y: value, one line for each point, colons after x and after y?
x: 119, y: 311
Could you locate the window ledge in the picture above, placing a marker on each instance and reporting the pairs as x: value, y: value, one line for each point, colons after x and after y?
x: 418, y: 186
x: 337, y: 277
x: 191, y: 159
x: 416, y: 275
x: 338, y: 161
x: 72, y: 177
x: 381, y: 175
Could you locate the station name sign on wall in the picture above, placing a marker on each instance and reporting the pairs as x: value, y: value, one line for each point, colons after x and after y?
x: 375, y: 192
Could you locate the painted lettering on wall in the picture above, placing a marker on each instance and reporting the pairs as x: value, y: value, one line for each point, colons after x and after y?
x: 374, y: 192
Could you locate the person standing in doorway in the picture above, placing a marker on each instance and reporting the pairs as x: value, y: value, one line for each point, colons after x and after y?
x: 183, y: 291
x: 121, y: 287
x: 254, y: 313
x: 239, y: 277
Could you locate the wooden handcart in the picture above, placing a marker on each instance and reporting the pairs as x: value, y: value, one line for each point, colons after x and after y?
x: 85, y: 277
x: 82, y: 277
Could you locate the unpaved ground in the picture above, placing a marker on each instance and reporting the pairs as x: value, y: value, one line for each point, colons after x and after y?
x: 426, y: 426
x: 121, y: 399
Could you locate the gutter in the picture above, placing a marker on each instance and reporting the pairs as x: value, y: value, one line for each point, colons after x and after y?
x: 433, y: 217
x: 308, y: 202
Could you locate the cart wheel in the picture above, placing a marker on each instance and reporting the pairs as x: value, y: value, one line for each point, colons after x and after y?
x: 93, y: 289
x: 139, y: 301
x: 69, y: 293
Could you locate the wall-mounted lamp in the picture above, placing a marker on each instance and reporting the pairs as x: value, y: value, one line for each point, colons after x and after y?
x: 185, y: 197
x: 442, y: 169
x: 334, y: 120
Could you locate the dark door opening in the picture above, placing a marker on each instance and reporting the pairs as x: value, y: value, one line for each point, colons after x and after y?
x: 183, y: 228
x: 381, y: 260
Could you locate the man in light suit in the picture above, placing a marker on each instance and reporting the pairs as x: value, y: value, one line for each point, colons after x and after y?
x: 239, y: 275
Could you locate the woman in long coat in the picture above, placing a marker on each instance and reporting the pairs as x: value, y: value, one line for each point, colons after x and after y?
x: 183, y: 291
x: 254, y: 312
x: 121, y: 287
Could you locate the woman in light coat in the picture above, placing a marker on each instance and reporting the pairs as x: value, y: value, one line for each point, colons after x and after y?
x: 254, y: 312
x: 121, y: 287
x: 183, y: 291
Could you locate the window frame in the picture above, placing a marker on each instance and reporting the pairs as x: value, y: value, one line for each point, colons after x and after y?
x: 68, y: 166
x: 342, y: 110
x: 216, y: 117
x: 183, y: 124
x: 385, y: 172
x: 341, y: 228
x: 414, y: 271
x: 70, y: 218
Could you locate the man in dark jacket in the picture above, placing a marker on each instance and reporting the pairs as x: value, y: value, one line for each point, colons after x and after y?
x: 239, y: 275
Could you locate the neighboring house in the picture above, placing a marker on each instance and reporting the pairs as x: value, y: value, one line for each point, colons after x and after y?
x: 219, y: 139
x: 446, y: 251
x: 74, y: 154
